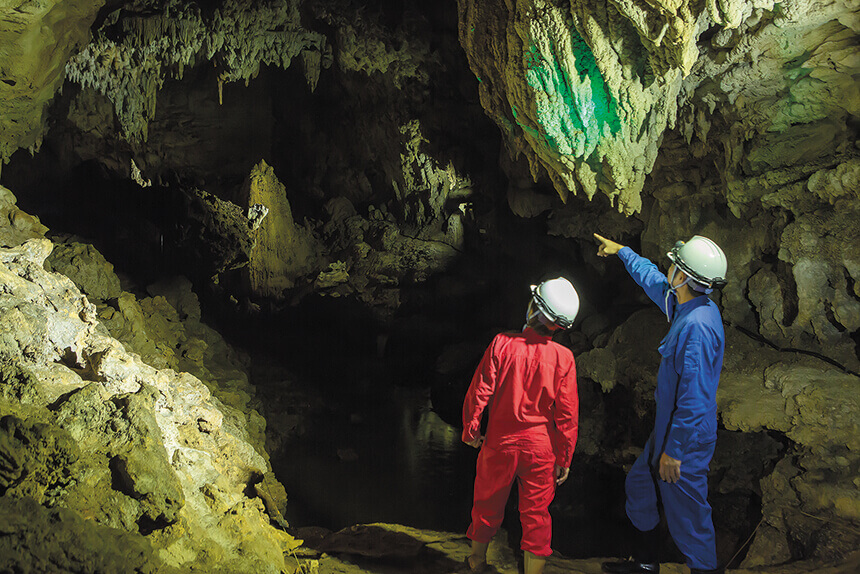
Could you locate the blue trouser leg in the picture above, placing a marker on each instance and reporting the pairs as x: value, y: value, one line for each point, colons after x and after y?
x: 642, y: 495
x: 685, y: 503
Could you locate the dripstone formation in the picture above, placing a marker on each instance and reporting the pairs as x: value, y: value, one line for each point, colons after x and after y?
x: 271, y: 153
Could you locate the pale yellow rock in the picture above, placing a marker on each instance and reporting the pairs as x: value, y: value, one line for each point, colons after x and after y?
x: 129, y: 443
x: 284, y: 250
x: 37, y: 39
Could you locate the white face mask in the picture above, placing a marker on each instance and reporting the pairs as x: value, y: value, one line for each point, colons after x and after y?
x: 672, y: 290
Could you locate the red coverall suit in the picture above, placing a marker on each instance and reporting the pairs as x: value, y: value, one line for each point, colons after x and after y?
x: 529, y: 384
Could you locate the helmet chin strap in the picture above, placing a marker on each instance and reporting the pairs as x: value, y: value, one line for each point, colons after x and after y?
x: 540, y: 317
x: 674, y: 291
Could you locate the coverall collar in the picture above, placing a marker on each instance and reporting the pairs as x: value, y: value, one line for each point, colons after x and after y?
x: 533, y: 335
x: 694, y: 303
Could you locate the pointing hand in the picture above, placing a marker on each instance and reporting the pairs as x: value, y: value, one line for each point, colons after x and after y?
x: 607, y: 246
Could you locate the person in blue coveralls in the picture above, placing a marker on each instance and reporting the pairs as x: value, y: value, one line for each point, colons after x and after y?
x: 673, y: 469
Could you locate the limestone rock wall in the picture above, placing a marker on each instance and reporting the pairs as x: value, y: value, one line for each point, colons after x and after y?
x: 90, y: 427
x: 37, y: 39
x: 584, y: 90
x: 651, y: 120
x: 158, y: 40
x: 283, y: 250
x: 761, y: 156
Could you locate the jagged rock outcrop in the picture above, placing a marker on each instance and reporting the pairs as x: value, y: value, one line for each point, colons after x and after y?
x: 158, y: 40
x: 364, y: 45
x: 736, y: 119
x: 37, y: 40
x: 811, y: 498
x: 374, y: 257
x: 38, y: 539
x: 283, y: 250
x: 90, y: 427
x: 584, y: 90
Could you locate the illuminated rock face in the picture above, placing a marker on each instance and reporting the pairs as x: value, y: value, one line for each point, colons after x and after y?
x: 584, y: 90
x: 90, y: 427
x: 736, y: 119
x: 37, y: 39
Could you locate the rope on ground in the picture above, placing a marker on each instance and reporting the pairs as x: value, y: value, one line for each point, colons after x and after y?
x: 748, y: 540
x: 832, y: 521
x: 774, y: 346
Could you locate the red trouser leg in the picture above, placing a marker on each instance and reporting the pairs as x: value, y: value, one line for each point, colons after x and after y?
x: 496, y: 471
x: 495, y: 475
x: 537, y: 489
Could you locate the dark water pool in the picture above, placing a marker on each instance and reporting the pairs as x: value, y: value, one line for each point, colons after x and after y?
x: 387, y: 457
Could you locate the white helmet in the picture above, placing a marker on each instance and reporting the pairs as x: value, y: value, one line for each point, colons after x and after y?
x: 557, y: 300
x: 702, y: 260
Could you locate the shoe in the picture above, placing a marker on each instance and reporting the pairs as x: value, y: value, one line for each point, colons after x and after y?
x: 631, y: 567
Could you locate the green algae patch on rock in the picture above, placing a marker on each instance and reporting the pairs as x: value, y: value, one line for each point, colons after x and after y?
x: 34, y: 539
x: 36, y: 460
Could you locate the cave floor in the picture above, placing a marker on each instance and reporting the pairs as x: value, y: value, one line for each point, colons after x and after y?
x: 395, y: 549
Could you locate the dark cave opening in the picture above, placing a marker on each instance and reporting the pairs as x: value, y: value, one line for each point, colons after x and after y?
x: 385, y: 373
x: 335, y: 346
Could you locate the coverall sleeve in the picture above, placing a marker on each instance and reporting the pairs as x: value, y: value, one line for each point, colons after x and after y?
x: 646, y: 275
x: 566, y: 418
x: 479, y: 394
x: 692, y: 402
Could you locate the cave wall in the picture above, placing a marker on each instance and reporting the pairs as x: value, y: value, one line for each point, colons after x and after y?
x: 648, y: 121
x: 743, y: 117
x: 103, y: 420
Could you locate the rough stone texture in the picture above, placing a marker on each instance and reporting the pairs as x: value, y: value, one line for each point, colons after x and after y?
x: 622, y: 361
x: 283, y: 250
x: 35, y: 539
x: 812, y: 495
x: 161, y: 39
x: 36, y: 40
x: 21, y: 226
x: 87, y: 267
x: 741, y: 113
x: 374, y: 255
x: 364, y: 45
x: 584, y: 90
x: 90, y: 427
x: 166, y: 331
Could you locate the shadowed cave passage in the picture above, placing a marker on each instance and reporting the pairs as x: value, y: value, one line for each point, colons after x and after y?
x: 281, y: 235
x: 379, y: 438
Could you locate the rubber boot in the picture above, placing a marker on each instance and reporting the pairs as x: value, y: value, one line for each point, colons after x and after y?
x: 645, y: 561
x: 533, y: 564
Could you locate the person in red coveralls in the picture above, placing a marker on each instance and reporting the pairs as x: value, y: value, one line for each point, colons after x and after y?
x: 528, y: 383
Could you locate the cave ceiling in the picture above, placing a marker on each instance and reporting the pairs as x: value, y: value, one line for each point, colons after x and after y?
x: 346, y: 148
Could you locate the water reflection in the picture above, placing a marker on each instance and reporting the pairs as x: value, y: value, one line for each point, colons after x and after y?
x: 380, y: 454
x: 382, y: 457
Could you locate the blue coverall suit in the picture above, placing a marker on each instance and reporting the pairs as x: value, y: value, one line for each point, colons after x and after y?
x: 685, y: 426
